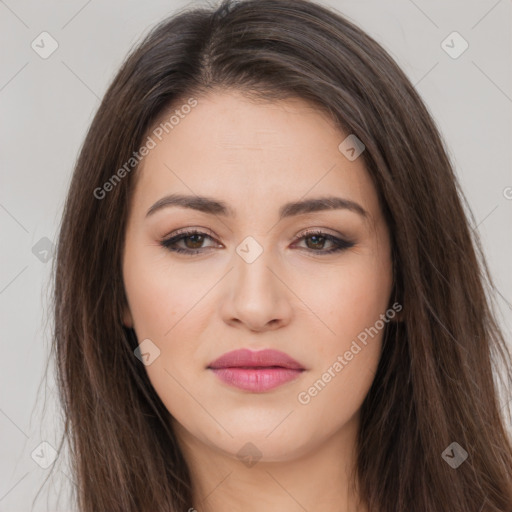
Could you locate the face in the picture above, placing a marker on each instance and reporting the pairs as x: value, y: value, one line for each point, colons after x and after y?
x: 241, y: 270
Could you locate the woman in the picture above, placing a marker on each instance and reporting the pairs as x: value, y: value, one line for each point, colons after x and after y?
x: 267, y: 293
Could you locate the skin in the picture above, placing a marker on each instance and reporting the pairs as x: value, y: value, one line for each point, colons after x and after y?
x: 255, y: 157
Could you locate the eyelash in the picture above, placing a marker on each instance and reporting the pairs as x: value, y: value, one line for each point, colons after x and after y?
x: 339, y: 244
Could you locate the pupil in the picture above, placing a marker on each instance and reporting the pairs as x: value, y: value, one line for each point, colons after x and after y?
x: 317, y: 238
x: 199, y: 240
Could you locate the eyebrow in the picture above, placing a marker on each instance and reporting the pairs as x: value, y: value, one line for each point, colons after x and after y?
x: 217, y: 207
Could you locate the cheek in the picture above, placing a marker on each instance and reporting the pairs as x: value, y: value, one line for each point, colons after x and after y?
x: 167, y: 307
x: 348, y: 301
x: 162, y: 307
x: 348, y: 346
x: 160, y: 296
x: 346, y: 361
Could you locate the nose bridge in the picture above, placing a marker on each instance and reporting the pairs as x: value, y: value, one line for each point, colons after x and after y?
x: 252, y: 269
x: 257, y: 296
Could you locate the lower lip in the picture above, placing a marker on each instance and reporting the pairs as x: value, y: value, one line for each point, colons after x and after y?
x: 256, y: 379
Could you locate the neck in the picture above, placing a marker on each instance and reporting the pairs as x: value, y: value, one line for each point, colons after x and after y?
x: 319, y: 479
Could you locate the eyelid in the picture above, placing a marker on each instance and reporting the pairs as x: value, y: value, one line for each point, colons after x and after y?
x: 189, y: 230
x: 322, y: 231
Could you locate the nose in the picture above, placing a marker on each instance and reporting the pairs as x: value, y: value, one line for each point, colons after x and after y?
x: 256, y: 296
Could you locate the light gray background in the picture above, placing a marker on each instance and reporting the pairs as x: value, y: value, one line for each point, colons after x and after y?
x: 47, y: 104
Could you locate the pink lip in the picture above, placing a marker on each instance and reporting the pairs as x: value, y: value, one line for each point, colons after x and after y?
x: 256, y: 371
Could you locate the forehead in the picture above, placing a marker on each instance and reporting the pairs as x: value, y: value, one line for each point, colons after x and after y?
x: 235, y: 148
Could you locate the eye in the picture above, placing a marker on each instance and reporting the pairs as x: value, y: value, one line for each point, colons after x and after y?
x: 193, y: 241
x: 318, y: 240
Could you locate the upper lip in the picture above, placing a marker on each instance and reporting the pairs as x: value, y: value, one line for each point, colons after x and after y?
x: 262, y: 358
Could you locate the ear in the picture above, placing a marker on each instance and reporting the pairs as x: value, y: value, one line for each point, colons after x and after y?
x: 127, y: 317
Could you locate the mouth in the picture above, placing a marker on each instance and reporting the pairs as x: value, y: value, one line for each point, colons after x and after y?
x: 256, y: 371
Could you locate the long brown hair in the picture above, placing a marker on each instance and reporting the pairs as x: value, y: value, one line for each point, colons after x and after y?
x: 436, y: 380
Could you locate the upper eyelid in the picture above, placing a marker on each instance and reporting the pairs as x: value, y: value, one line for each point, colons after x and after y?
x: 191, y: 230
x: 206, y: 231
